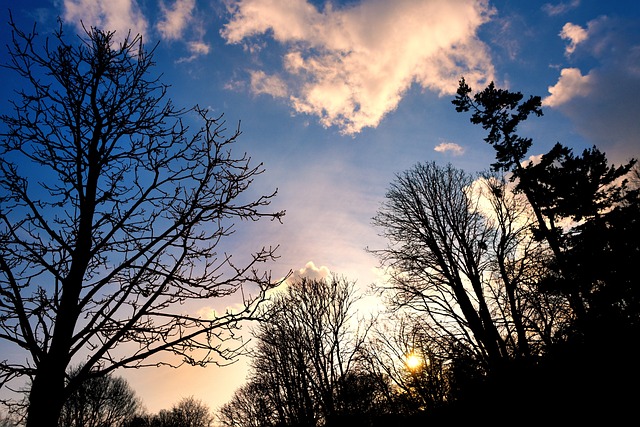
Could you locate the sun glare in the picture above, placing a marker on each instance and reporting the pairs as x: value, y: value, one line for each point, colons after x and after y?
x: 413, y: 361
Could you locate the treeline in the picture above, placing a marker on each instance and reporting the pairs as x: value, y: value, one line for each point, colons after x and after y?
x: 110, y: 401
x: 511, y: 295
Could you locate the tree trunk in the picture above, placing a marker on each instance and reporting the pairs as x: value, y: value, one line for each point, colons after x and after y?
x: 48, y: 391
x: 46, y: 397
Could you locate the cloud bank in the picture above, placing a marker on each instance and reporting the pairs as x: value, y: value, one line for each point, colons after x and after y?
x: 350, y: 66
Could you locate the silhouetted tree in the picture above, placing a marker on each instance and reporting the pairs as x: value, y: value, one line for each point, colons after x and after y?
x: 588, y: 213
x: 100, y: 402
x: 141, y: 420
x: 364, y: 396
x: 111, y: 215
x: 561, y: 187
x: 456, y: 256
x: 188, y: 412
x: 251, y: 405
x: 305, y: 356
x: 413, y: 388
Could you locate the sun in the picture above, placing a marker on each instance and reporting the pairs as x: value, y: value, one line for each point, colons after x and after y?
x: 413, y: 361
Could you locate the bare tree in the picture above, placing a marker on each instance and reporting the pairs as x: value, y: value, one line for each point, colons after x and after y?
x: 306, y: 354
x: 251, y: 405
x: 112, y: 212
x: 518, y: 263
x: 461, y: 252
x: 99, y: 402
x: 414, y: 361
x: 436, y: 253
x: 189, y: 412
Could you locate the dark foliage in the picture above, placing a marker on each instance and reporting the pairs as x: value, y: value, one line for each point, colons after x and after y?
x: 527, y: 314
x: 188, y: 412
x: 100, y: 402
x: 588, y: 213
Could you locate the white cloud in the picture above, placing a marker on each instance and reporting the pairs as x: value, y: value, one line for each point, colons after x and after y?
x: 108, y: 15
x: 179, y: 19
x: 350, y: 66
x: 450, y: 147
x: 560, y: 8
x: 123, y: 16
x: 198, y: 48
x: 533, y: 159
x: 575, y: 34
x: 602, y: 103
x: 270, y: 85
x: 311, y: 271
x: 175, y: 19
x: 571, y: 84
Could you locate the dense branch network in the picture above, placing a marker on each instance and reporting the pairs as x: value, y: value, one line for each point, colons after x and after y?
x: 112, y: 212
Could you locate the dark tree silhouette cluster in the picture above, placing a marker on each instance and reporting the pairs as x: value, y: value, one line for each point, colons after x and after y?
x: 188, y: 412
x: 305, y: 364
x: 512, y: 295
x: 100, y: 401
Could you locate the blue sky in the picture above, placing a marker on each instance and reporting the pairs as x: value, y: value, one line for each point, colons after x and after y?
x: 336, y: 97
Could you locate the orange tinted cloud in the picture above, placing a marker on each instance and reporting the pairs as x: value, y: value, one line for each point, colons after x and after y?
x: 113, y: 15
x: 351, y: 66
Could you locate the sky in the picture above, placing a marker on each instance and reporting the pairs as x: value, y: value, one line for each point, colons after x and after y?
x: 336, y: 97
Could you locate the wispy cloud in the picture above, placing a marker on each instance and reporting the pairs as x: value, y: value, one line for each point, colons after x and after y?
x: 176, y: 22
x: 560, y: 8
x: 175, y: 19
x: 261, y: 83
x: 449, y: 147
x: 196, y: 49
x: 121, y: 16
x: 350, y: 66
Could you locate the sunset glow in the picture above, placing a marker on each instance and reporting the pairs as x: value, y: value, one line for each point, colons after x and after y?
x: 413, y: 361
